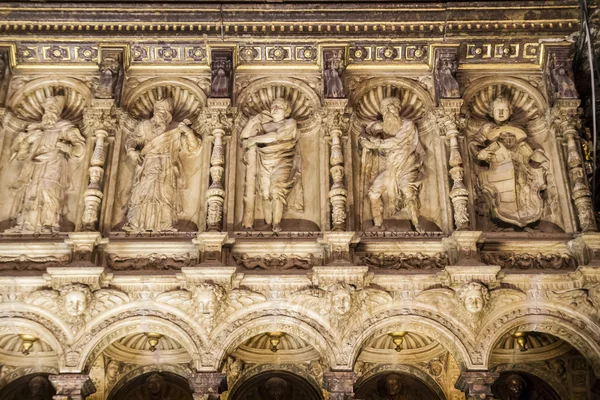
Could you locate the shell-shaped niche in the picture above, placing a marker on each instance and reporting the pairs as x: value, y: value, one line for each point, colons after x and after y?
x: 188, y: 98
x: 27, y: 103
x: 527, y: 102
x: 414, y: 100
x: 13, y: 344
x: 259, y: 96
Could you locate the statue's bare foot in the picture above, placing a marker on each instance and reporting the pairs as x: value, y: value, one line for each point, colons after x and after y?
x: 277, y: 228
x: 376, y: 228
x: 419, y: 229
x: 246, y: 228
x: 14, y: 229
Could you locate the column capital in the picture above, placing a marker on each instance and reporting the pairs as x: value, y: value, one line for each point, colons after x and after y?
x: 72, y: 386
x: 477, y: 385
x: 340, y: 384
x: 208, y: 385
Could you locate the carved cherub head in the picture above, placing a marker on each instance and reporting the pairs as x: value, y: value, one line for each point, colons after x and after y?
x: 53, y: 107
x: 76, y: 298
x: 474, y: 296
x: 280, y: 109
x: 500, y: 109
x: 340, y: 300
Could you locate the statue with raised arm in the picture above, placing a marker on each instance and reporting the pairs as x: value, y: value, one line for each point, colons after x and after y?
x: 392, y: 163
x: 512, y: 174
x: 44, y: 150
x: 273, y: 161
x: 155, y: 200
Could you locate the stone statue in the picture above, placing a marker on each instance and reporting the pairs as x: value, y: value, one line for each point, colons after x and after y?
x: 515, y: 175
x: 112, y: 372
x: 394, y: 156
x: 44, y: 150
x: 106, y: 86
x: 515, y: 386
x: 564, y: 87
x: 474, y: 296
x: 273, y: 159
x: 332, y: 75
x: 155, y: 201
x: 76, y: 299
x: 447, y: 84
x: 221, y: 70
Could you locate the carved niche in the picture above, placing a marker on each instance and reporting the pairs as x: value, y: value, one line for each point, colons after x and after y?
x: 516, y: 172
x: 278, y: 173
x: 43, y: 153
x: 398, y: 181
x: 163, y: 168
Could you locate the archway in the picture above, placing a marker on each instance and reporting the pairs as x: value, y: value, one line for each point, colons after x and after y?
x: 29, y: 387
x: 154, y: 385
x: 396, y: 385
x: 275, y: 385
x: 521, y: 385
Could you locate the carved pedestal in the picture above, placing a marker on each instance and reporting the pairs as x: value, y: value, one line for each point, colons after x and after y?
x: 72, y: 386
x: 477, y: 385
x: 340, y: 385
x: 337, y: 247
x: 208, y: 385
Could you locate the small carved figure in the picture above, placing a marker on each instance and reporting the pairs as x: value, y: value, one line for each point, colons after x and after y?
x: 332, y: 75
x: 221, y: 70
x: 76, y: 298
x: 516, y: 174
x: 316, y: 370
x: 272, y: 154
x: 155, y: 201
x: 112, y: 372
x: 418, y: 261
x: 447, y: 84
x: 474, y: 296
x: 106, y: 86
x: 340, y: 300
x: 564, y: 86
x: 44, y: 149
x: 234, y: 370
x: 393, y: 153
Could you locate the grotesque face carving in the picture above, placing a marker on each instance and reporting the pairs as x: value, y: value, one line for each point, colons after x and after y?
x: 474, y: 296
x: 341, y: 301
x: 501, y: 109
x: 280, y: 109
x: 393, y: 386
x: 76, y: 299
x: 516, y: 386
x: 154, y: 383
x: 276, y: 388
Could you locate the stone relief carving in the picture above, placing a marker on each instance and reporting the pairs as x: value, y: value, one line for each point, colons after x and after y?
x: 76, y: 303
x: 332, y: 73
x: 417, y: 261
x: 154, y: 203
x: 234, y: 370
x: 525, y: 261
x: 45, y: 150
x: 106, y: 86
x: 26, y: 263
x: 151, y: 261
x: 157, y: 388
x: 277, y: 261
x: 562, y: 84
x: 446, y: 78
x: 513, y: 174
x: 392, y: 163
x: 272, y: 160
x: 221, y: 66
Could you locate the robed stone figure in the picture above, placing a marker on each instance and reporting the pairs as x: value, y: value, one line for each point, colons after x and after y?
x: 273, y: 161
x: 45, y: 150
x: 155, y: 200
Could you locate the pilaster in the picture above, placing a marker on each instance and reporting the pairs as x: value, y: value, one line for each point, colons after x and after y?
x: 340, y: 385
x: 477, y: 385
x: 208, y: 385
x: 72, y: 386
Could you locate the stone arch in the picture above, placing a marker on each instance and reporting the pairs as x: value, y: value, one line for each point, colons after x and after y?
x: 403, y: 369
x: 580, y: 332
x: 173, y: 386
x: 456, y: 342
x: 20, y: 325
x: 90, y: 346
x: 258, y: 96
x: 547, y: 377
x: 25, y: 371
x: 27, y: 102
x: 19, y: 388
x: 173, y: 369
x: 290, y: 373
x: 188, y: 97
x: 225, y: 341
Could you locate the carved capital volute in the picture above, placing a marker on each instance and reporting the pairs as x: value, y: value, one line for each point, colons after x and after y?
x: 216, y: 118
x: 477, y: 384
x: 208, y: 385
x: 565, y: 117
x: 100, y: 118
x: 72, y: 386
x: 335, y: 117
x: 201, y: 276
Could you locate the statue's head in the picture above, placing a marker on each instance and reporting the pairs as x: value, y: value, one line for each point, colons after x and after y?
x: 474, y: 296
x: 76, y: 298
x: 280, y: 109
x: 341, y: 300
x: 235, y: 368
x: 276, y: 388
x: 154, y: 383
x: 53, y: 108
x: 112, y: 370
x: 38, y: 386
x: 500, y: 109
x: 163, y: 110
x: 390, y: 111
x: 393, y: 384
x: 516, y: 386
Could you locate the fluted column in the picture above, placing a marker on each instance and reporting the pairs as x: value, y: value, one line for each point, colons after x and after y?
x: 72, y: 386
x: 340, y: 385
x: 335, y: 123
x: 99, y: 122
x: 208, y: 385
x: 477, y: 385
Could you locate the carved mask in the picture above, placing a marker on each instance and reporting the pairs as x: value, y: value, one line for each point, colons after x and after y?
x: 474, y: 302
x: 501, y: 111
x: 112, y: 370
x: 342, y: 301
x: 75, y: 303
